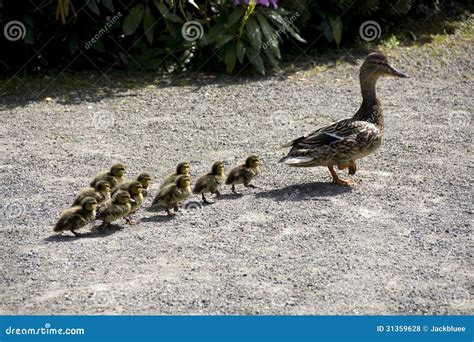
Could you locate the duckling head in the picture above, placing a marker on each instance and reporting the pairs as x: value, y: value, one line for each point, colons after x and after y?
x: 183, y: 168
x: 135, y: 188
x: 89, y: 204
x: 183, y: 182
x: 117, y: 170
x: 102, y: 186
x: 252, y: 161
x: 376, y: 65
x: 122, y: 197
x: 145, y: 179
x: 218, y: 168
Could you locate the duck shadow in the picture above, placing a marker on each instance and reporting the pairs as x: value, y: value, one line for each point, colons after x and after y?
x: 304, y: 191
x: 228, y: 196
x: 92, y: 234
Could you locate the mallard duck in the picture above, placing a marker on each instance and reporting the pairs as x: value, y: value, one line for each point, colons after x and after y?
x: 77, y: 216
x: 181, y: 169
x: 118, y: 208
x: 114, y: 176
x: 172, y: 195
x: 244, y: 173
x: 135, y: 189
x: 343, y: 142
x: 210, y: 181
x: 101, y: 192
x: 144, y: 178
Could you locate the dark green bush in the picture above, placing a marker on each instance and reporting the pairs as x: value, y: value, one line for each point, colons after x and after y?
x: 174, y: 35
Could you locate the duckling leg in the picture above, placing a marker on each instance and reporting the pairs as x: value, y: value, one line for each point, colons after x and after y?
x: 217, y: 193
x: 233, y: 189
x: 128, y: 220
x: 336, y: 179
x: 204, y: 199
x: 169, y: 212
x: 75, y: 233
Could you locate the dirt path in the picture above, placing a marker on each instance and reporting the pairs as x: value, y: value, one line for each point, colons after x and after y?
x: 398, y: 242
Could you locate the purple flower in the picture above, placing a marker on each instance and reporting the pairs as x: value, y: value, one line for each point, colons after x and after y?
x: 265, y: 3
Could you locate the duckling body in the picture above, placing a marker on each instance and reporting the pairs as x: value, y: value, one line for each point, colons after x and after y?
x: 343, y: 142
x: 77, y: 216
x: 210, y: 182
x: 101, y: 192
x: 172, y: 195
x: 144, y: 178
x: 243, y: 174
x: 119, y: 207
x: 181, y: 169
x: 114, y: 176
x: 134, y: 189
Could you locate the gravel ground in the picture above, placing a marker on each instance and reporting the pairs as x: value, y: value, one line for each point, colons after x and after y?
x: 399, y: 242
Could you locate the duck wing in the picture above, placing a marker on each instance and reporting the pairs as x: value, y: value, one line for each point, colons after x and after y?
x: 340, y: 134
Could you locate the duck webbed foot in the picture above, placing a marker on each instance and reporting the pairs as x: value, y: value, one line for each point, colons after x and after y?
x: 337, y: 180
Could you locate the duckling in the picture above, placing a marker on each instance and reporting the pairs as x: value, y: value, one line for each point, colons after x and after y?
x: 118, y: 208
x: 210, y: 181
x: 101, y: 192
x: 77, y: 216
x: 114, y: 176
x: 182, y: 168
x: 172, y: 195
x: 244, y: 173
x: 343, y: 142
x: 144, y: 178
x: 135, y: 190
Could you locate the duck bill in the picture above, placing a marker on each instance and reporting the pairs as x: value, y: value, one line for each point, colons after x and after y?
x: 397, y: 73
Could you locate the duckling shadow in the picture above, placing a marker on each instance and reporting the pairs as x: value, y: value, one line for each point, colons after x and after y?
x: 305, y: 191
x: 230, y: 196
x: 94, y: 233
x: 157, y: 218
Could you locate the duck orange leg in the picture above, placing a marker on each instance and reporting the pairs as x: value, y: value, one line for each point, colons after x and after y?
x: 337, y: 180
x: 351, y: 165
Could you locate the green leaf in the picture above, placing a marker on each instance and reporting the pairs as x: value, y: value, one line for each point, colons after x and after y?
x: 165, y: 12
x: 336, y: 28
x: 99, y: 46
x: 72, y: 43
x: 255, y: 59
x: 109, y: 4
x: 214, y: 33
x: 285, y: 25
x: 148, y: 24
x: 271, y: 37
x: 230, y: 58
x: 240, y: 49
x: 270, y: 57
x: 133, y: 19
x: 224, y: 39
x: 254, y: 34
x: 29, y: 38
x: 235, y: 15
x: 326, y: 27
x: 192, y: 2
x: 93, y: 6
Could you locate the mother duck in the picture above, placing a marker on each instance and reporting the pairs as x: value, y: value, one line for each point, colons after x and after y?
x: 343, y: 142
